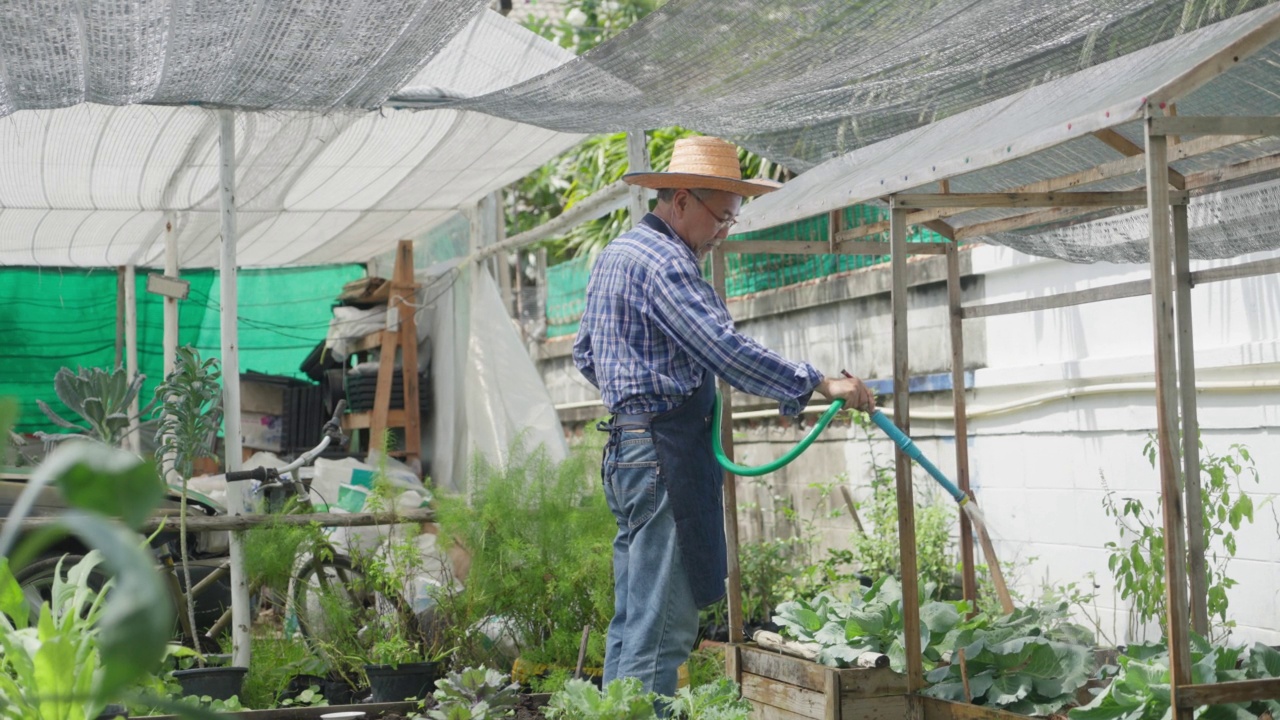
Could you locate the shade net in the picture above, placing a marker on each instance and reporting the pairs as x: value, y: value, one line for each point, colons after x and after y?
x: 54, y: 318
x: 803, y: 81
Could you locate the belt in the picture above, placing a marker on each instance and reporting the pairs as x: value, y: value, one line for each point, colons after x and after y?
x: 634, y: 418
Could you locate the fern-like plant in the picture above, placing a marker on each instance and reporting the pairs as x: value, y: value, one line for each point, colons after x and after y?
x: 190, y: 414
x: 101, y: 398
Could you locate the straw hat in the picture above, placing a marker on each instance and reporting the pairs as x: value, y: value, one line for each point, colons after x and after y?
x: 703, y: 163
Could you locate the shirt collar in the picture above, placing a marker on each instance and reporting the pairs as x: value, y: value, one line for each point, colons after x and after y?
x: 656, y: 223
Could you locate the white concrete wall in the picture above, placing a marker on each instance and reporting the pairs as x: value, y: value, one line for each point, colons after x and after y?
x: 1038, y: 452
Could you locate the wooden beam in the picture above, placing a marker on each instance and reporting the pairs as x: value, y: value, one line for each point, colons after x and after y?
x: 1256, y: 166
x: 1161, y: 245
x: 941, y: 228
x: 405, y: 290
x: 813, y: 247
x: 733, y: 591
x: 638, y: 161
x: 1190, y: 696
x: 968, y: 573
x: 1020, y: 200
x: 1224, y: 125
x: 1258, y: 37
x: 1196, y: 570
x: 364, y: 420
x: 197, y: 523
x: 1135, y: 288
x: 1124, y: 146
x: 1017, y: 222
x: 902, y: 463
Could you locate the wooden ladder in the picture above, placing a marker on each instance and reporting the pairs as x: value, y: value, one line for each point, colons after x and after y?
x: 401, y: 308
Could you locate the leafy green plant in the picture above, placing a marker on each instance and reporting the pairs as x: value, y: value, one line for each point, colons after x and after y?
x: 271, y: 550
x: 189, y: 419
x: 1136, y: 559
x: 1140, y: 690
x: 720, y: 700
x: 539, y: 536
x: 311, y: 697
x: 706, y: 666
x: 476, y: 693
x: 622, y: 699
x: 552, y: 681
x: 876, y: 552
x: 868, y: 622
x: 100, y: 398
x: 1032, y: 661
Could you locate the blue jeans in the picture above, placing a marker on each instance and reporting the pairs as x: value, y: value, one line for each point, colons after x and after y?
x: 655, y: 619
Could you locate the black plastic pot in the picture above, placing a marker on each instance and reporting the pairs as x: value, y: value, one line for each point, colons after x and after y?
x: 299, y: 684
x: 111, y: 712
x: 219, y: 683
x: 338, y: 691
x: 396, y: 683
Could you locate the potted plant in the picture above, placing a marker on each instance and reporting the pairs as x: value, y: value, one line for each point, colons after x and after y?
x: 189, y: 420
x: 100, y: 398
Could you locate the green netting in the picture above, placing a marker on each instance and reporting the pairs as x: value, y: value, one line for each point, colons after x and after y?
x: 51, y: 318
x: 567, y: 282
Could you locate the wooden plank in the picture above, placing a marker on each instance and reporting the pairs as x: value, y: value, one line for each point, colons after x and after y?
x: 730, y: 492
x: 801, y: 701
x: 1017, y: 222
x: 1166, y: 379
x: 1219, y: 125
x: 968, y: 572
x: 941, y: 228
x: 1196, y: 570
x: 888, y: 707
x: 637, y: 161
x: 813, y: 247
x: 364, y: 420
x: 733, y: 663
x: 783, y: 668
x: 1209, y: 178
x: 765, y: 711
x: 1018, y: 199
x: 935, y: 709
x: 831, y: 695
x: 380, y: 419
x: 871, y: 682
x: 1229, y: 692
x: 1128, y: 148
x: 372, y: 341
x: 1134, y: 288
x: 906, y: 504
x: 1258, y: 37
x: 404, y: 295
x: 197, y: 523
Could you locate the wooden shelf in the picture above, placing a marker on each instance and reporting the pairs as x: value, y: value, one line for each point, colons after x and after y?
x: 363, y: 420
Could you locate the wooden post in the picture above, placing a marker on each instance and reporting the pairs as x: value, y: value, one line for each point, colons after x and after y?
x: 1166, y: 377
x: 968, y: 574
x: 637, y: 161
x: 541, y: 272
x: 404, y: 289
x: 172, y: 270
x: 120, y: 312
x: 902, y: 464
x: 132, y: 441
x: 240, y: 613
x: 502, y: 263
x: 1190, y: 424
x: 734, y: 590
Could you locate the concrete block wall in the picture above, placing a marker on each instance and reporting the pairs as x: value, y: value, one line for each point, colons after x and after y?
x: 1061, y: 400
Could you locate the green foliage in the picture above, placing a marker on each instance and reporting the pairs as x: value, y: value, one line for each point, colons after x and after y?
x: 1032, y: 661
x: 1140, y: 691
x: 868, y: 622
x: 585, y: 24
x: 622, y: 699
x: 276, y: 659
x: 1136, y: 560
x: 720, y: 700
x: 539, y: 536
x: 271, y: 550
x: 552, y: 681
x: 100, y: 398
x: 876, y: 552
x: 311, y: 697
x: 706, y: 666
x: 476, y: 693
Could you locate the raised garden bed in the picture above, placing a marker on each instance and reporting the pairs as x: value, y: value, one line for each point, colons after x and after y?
x: 781, y: 687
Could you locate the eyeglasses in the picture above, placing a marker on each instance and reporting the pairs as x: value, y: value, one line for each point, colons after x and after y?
x: 721, y: 224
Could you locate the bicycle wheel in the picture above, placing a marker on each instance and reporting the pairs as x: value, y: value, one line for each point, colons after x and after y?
x: 327, y: 599
x: 36, y: 580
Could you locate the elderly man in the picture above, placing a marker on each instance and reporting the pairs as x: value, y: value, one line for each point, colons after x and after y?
x: 653, y: 338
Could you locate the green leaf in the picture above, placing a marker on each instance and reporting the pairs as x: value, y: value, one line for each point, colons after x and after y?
x: 1263, y: 662
x: 833, y: 633
x: 137, y: 617
x: 939, y: 617
x: 103, y: 479
x: 12, y: 602
x: 1008, y: 688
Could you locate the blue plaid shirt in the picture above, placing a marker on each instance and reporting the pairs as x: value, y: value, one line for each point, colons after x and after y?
x: 653, y: 327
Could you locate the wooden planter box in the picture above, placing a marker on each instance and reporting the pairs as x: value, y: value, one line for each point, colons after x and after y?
x: 781, y: 687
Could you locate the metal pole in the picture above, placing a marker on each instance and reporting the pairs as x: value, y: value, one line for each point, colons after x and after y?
x: 902, y: 464
x: 170, y: 304
x: 231, y: 382
x: 1166, y: 417
x: 637, y: 161
x: 131, y: 350
x: 1190, y: 423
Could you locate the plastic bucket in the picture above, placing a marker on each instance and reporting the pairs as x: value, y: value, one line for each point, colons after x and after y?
x: 219, y: 683
x: 396, y: 683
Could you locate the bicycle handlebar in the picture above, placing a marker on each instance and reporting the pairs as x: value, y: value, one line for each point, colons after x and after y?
x: 332, y: 431
x: 260, y: 474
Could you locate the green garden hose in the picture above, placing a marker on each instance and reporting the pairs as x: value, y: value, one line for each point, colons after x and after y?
x: 768, y: 467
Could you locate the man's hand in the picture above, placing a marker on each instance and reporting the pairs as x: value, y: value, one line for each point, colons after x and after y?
x: 854, y: 393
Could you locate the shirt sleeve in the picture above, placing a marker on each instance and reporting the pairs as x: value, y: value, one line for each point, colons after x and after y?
x: 687, y: 309
x: 583, y: 357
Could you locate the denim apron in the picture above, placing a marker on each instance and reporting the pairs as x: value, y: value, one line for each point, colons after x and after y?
x: 694, y: 482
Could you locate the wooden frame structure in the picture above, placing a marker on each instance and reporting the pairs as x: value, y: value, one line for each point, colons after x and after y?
x: 1170, y: 290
